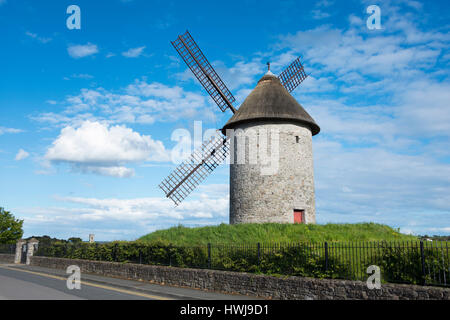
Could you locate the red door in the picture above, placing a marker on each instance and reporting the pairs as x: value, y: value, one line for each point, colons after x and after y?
x: 299, y: 216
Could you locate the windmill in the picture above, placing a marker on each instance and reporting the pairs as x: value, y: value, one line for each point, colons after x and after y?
x: 287, y: 196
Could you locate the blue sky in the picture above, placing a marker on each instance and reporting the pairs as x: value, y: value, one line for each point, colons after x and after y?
x: 87, y: 115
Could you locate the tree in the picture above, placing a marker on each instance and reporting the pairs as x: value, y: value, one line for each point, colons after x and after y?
x: 47, y: 240
x: 75, y: 240
x: 10, y: 227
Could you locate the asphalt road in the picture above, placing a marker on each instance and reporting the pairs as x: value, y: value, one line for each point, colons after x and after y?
x: 19, y: 282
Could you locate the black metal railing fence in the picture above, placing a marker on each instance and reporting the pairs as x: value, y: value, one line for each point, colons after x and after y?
x: 7, y: 248
x: 413, y: 262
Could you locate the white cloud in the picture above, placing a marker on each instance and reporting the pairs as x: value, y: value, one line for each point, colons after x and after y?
x: 319, y: 14
x: 324, y: 3
x: 151, y: 208
x: 4, y: 130
x: 81, y: 76
x: 120, y: 172
x: 378, y: 54
x: 95, y: 147
x: 385, y: 73
x: 355, y: 20
x: 319, y: 84
x: 134, y: 52
x: 84, y: 76
x: 425, y: 109
x: 156, y: 90
x: 381, y: 99
x: 375, y: 175
x: 40, y: 39
x: 406, y: 231
x: 81, y: 51
x: 126, y: 219
x: 22, y: 154
x: 140, y: 102
x: 318, y: 37
x: 442, y: 229
x: 242, y: 73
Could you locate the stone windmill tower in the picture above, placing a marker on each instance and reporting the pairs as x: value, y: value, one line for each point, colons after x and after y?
x: 270, y: 128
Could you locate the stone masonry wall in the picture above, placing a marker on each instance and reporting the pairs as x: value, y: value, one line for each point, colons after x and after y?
x: 6, y: 258
x: 258, y: 196
x: 297, y: 288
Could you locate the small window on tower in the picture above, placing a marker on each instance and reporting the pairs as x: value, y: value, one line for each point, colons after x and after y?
x: 297, y: 139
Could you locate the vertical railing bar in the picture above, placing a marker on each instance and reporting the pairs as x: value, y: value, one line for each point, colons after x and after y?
x: 409, y: 249
x: 398, y: 251
x: 422, y: 256
x: 348, y: 258
x: 345, y: 247
x: 377, y: 256
x: 448, y: 259
x: 307, y: 250
x: 353, y: 259
x: 365, y: 251
x: 416, y: 248
x: 361, y: 252
x: 443, y: 264
x: 432, y: 264
x: 356, y: 260
x: 404, y: 254
x: 439, y: 269
x: 209, y: 255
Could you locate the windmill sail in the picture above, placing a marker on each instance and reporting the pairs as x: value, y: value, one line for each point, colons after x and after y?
x: 293, y: 75
x: 189, y: 174
x: 205, y: 73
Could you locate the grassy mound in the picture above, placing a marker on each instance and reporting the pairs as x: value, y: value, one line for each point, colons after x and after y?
x: 274, y: 232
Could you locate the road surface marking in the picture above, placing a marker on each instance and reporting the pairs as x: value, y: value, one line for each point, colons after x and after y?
x: 92, y: 284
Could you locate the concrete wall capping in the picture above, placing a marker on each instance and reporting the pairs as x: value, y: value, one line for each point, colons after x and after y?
x: 263, y: 286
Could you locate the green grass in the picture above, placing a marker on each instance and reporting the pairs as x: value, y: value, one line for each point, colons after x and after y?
x: 273, y: 232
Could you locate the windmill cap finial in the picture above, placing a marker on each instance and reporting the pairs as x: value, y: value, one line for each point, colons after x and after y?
x: 269, y: 73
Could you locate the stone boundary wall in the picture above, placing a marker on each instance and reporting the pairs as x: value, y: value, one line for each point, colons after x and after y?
x: 296, y: 288
x: 6, y: 258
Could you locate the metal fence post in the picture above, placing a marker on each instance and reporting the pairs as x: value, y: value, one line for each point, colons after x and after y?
x: 209, y: 255
x: 422, y: 255
x: 259, y: 253
x: 326, y: 256
x: 115, y: 253
x: 170, y: 255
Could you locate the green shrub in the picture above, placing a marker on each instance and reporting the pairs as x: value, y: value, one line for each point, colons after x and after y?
x: 405, y: 266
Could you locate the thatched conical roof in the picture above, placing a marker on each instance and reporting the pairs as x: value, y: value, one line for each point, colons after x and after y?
x: 271, y: 101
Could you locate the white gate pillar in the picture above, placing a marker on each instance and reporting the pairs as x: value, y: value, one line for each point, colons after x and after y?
x: 18, y: 256
x: 31, y: 244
